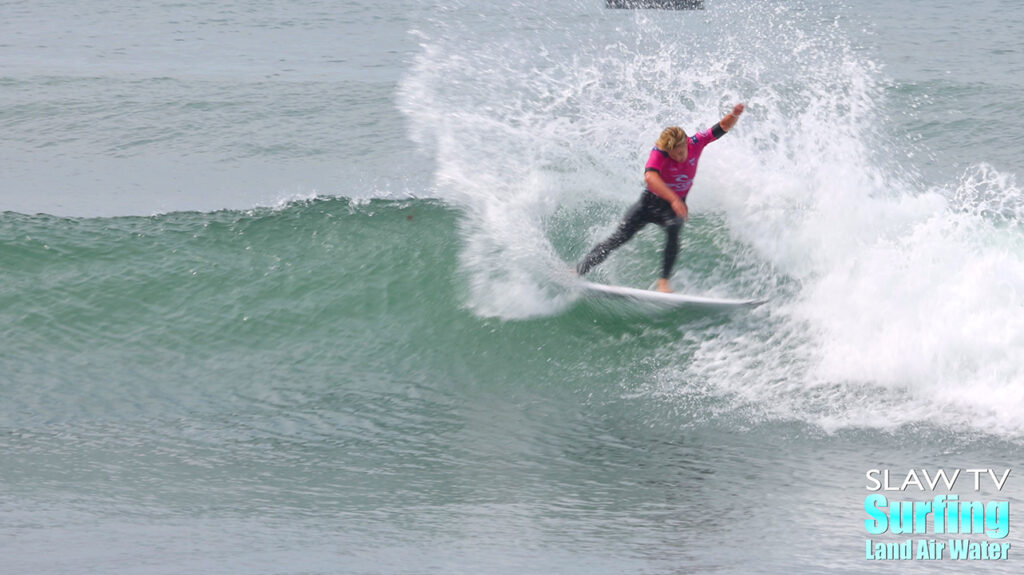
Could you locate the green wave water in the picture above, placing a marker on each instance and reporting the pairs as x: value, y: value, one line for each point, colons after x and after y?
x: 307, y: 389
x: 333, y: 290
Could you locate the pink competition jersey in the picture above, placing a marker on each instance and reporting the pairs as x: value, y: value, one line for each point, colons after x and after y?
x: 679, y: 176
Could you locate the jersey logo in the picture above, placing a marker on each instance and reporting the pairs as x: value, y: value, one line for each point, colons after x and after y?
x: 682, y: 183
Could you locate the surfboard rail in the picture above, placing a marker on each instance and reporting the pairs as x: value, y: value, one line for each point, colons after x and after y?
x: 670, y: 299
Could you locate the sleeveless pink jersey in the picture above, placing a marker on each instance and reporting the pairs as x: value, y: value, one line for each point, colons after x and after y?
x: 679, y: 176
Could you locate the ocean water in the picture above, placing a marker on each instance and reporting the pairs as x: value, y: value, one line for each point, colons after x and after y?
x: 284, y: 285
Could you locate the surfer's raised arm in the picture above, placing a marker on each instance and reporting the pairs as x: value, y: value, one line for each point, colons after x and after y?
x: 730, y: 119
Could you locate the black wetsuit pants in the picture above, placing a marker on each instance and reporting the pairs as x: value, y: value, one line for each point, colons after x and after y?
x: 650, y: 209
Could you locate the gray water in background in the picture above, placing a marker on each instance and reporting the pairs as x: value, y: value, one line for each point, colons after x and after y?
x: 958, y: 71
x: 118, y: 108
x: 113, y: 108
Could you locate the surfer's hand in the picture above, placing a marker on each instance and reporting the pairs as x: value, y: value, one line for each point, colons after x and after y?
x: 679, y: 207
x: 732, y: 117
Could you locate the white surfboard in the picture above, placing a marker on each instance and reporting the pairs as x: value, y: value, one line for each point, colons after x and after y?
x: 667, y: 299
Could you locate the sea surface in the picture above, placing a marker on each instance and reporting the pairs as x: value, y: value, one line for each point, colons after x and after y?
x: 285, y: 289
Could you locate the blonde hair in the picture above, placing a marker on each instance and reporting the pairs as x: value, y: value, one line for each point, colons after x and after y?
x: 671, y: 138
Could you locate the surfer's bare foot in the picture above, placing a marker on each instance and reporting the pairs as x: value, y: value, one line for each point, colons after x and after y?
x: 663, y: 286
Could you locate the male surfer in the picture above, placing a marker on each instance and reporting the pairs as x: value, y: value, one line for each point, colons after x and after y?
x: 669, y: 175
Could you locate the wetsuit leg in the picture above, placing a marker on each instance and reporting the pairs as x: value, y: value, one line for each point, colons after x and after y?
x: 660, y: 212
x: 636, y: 218
x: 668, y: 259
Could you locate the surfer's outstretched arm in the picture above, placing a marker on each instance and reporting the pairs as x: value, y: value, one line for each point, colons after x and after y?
x: 727, y: 123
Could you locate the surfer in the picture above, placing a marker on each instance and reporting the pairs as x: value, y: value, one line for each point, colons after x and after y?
x: 669, y: 175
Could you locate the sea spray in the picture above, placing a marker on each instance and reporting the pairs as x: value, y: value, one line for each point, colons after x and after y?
x: 889, y: 302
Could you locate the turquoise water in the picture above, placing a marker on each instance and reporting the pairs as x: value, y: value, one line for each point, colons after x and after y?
x: 285, y: 287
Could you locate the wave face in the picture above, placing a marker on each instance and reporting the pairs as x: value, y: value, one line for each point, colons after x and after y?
x: 132, y: 304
